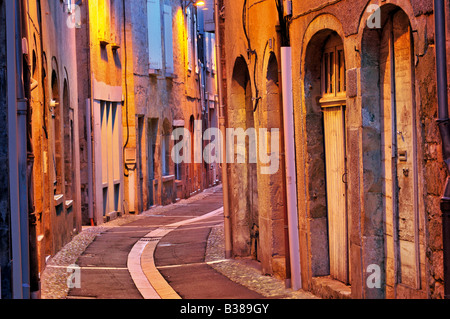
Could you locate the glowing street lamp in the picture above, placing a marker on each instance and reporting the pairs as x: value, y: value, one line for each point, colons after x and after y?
x: 197, y: 3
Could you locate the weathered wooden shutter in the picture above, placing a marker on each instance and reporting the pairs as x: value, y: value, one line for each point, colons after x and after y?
x: 168, y: 38
x: 154, y: 34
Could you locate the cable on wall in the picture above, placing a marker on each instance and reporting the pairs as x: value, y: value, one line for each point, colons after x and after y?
x: 250, y: 51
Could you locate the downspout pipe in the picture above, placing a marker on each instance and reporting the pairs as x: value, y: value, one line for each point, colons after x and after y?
x: 89, y: 117
x: 32, y: 219
x: 291, y: 177
x: 222, y: 123
x: 14, y: 203
x: 22, y: 111
x: 90, y: 163
x: 17, y: 151
x: 444, y: 128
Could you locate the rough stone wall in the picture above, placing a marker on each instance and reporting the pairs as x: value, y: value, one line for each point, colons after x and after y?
x: 166, y: 99
x: 254, y: 48
x: 369, y: 219
x: 365, y: 188
x: 100, y: 77
x: 59, y: 56
x: 161, y: 97
x: 51, y: 47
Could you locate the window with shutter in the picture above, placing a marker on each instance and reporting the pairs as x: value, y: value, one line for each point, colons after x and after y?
x: 195, y: 37
x: 189, y: 37
x: 104, y: 21
x: 168, y: 39
x: 208, y: 50
x: 154, y: 34
x: 213, y: 52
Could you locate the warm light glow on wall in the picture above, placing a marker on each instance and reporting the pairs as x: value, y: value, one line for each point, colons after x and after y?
x: 103, y: 11
x: 181, y: 32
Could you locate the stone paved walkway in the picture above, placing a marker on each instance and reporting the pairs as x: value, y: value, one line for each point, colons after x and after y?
x: 243, y: 272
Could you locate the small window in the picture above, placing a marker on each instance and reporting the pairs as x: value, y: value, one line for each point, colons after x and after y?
x: 166, y: 155
x: 333, y: 69
x: 165, y: 147
x: 178, y: 155
x: 189, y: 29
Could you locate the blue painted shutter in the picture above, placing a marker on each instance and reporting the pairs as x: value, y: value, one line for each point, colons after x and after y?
x: 213, y: 51
x: 207, y: 50
x: 154, y: 34
x: 189, y: 37
x: 168, y: 38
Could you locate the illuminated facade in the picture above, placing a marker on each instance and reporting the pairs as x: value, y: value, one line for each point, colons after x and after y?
x: 171, y: 80
x: 48, y: 211
x: 91, y: 91
x: 101, y: 103
x: 147, y: 76
x: 104, y: 85
x: 369, y: 171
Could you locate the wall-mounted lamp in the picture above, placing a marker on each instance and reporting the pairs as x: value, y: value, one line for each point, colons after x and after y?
x: 197, y: 3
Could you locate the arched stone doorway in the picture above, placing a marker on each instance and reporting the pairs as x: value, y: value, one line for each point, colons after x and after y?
x: 388, y: 78
x: 243, y: 186
x: 273, y: 235
x: 325, y: 98
x: 69, y: 176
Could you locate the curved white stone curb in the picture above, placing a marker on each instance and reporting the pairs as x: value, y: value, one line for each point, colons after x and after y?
x: 141, y: 264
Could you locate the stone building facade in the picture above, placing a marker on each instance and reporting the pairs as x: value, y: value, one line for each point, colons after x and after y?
x: 171, y: 86
x: 54, y: 104
x: 368, y: 151
x: 146, y: 76
x: 48, y: 184
x: 93, y: 133
x: 54, y: 107
x: 101, y: 103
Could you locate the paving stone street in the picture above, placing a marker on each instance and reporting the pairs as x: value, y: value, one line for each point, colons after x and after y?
x: 189, y: 259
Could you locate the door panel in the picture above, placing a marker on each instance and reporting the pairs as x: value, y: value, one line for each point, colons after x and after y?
x: 406, y: 153
x: 335, y: 154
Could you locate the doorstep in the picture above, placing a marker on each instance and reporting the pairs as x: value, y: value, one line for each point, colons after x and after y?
x: 111, y: 216
x: 329, y: 288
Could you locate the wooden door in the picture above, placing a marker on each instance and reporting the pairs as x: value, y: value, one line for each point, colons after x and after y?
x: 335, y: 158
x: 142, y: 163
x: 405, y: 147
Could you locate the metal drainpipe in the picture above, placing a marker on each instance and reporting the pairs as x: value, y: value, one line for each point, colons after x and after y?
x: 89, y: 116
x: 14, y: 202
x: 222, y: 123
x: 444, y: 127
x: 17, y: 143
x: 291, y: 177
x: 90, y: 163
x: 33, y: 253
x: 22, y: 110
